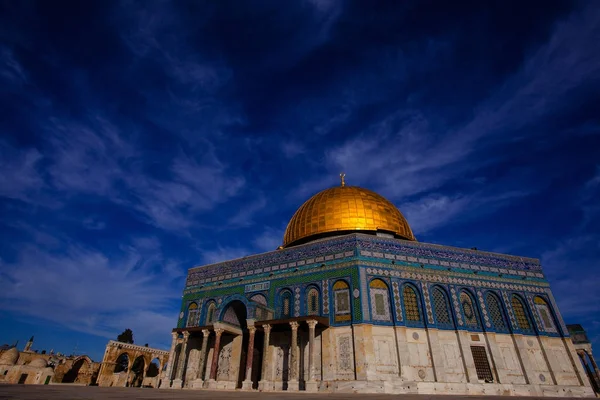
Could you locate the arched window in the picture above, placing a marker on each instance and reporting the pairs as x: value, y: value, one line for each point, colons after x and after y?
x: 259, y: 298
x: 520, y: 313
x: 469, y: 310
x: 341, y: 296
x: 312, y: 301
x: 210, y: 313
x: 192, y: 319
x: 122, y: 363
x: 546, y: 316
x: 286, y: 304
x: 411, y: 304
x: 380, y: 300
x: 440, y: 308
x: 495, y: 311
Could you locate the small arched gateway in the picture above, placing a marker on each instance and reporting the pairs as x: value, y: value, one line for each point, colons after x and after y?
x: 127, y: 364
x: 350, y: 302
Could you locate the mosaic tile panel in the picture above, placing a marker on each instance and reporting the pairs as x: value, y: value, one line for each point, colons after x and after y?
x: 346, y: 247
x: 363, y: 288
x: 532, y: 307
x: 397, y: 305
x: 380, y: 301
x: 545, y: 315
x: 325, y: 297
x: 296, y: 301
x: 456, y: 305
x: 445, y: 278
x: 484, y: 311
x: 312, y: 302
x: 357, y: 314
x: 469, y: 310
x: 425, y: 291
x: 511, y: 314
x: 561, y: 321
x: 341, y: 301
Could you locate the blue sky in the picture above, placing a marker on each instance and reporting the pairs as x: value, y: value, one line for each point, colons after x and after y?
x: 139, y: 139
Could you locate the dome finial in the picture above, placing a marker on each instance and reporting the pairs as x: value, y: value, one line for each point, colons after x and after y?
x: 342, y: 176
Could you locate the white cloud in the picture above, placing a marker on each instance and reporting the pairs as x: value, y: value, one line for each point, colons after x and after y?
x: 402, y: 155
x: 292, y: 148
x: 10, y: 68
x: 245, y: 215
x: 219, y: 254
x: 426, y: 214
x: 270, y: 239
x: 88, y: 291
x: 20, y: 177
x: 575, y: 280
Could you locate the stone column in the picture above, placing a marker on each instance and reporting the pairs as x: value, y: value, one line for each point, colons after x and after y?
x: 215, y: 359
x: 311, y: 384
x: 202, y: 365
x: 596, y: 370
x: 129, y: 365
x: 178, y: 381
x: 264, y: 383
x: 293, y: 384
x: 165, y: 383
x: 247, y: 384
x: 198, y: 382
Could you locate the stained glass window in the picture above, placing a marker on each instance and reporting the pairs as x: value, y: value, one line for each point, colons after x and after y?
x: 520, y: 314
x: 286, y: 303
x: 544, y: 310
x: 493, y: 306
x: 341, y: 295
x: 192, y: 319
x: 210, y: 313
x: 440, y: 307
x: 469, y: 309
x: 411, y: 305
x: 312, y: 301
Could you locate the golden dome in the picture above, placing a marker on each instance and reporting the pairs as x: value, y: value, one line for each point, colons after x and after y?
x: 345, y: 209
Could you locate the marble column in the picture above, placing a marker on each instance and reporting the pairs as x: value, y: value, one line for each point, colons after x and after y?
x: 202, y: 364
x: 178, y: 381
x: 311, y: 383
x: 247, y: 384
x: 265, y: 383
x: 198, y: 382
x: 293, y: 384
x: 215, y: 359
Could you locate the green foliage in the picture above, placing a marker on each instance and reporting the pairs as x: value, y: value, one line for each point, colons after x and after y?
x: 126, y: 336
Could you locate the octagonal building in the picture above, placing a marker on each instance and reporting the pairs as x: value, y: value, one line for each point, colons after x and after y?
x: 352, y: 302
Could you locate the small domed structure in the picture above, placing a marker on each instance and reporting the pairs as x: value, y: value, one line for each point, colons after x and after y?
x: 9, y: 357
x: 38, y: 363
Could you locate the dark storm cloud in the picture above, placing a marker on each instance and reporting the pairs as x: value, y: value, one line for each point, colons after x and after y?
x: 142, y: 138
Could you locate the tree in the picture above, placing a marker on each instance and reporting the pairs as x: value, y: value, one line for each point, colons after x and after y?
x: 126, y: 336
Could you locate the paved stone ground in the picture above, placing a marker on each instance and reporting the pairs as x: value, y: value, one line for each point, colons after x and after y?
x: 51, y: 392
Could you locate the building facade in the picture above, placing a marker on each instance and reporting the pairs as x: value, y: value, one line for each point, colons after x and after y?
x: 130, y: 365
x: 30, y: 367
x: 583, y: 346
x: 351, y: 302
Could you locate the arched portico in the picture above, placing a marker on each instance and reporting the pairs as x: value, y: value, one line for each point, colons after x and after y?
x: 228, y: 358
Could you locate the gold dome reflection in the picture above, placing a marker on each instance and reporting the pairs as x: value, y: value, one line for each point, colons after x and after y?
x: 342, y: 209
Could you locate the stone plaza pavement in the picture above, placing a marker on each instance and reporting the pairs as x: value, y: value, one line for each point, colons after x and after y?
x: 50, y: 392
